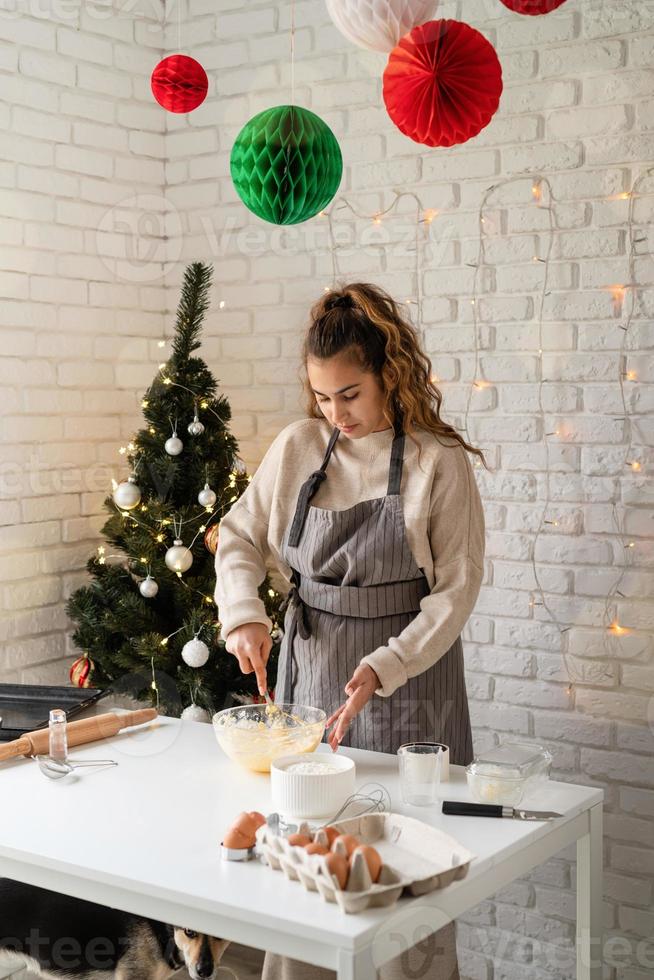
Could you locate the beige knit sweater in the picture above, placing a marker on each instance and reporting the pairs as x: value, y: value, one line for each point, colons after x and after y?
x: 444, y: 521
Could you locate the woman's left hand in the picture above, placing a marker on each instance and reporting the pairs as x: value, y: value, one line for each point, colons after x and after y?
x: 360, y: 688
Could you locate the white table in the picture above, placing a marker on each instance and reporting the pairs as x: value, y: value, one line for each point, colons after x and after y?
x: 144, y: 837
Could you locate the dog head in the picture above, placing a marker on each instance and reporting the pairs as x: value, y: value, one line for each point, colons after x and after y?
x: 200, y: 954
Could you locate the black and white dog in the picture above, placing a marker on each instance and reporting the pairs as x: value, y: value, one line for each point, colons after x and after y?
x: 61, y: 937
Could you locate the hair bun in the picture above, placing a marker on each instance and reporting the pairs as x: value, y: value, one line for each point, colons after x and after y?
x: 341, y: 302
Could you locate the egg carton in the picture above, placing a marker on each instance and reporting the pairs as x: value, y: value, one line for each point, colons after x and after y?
x: 416, y: 859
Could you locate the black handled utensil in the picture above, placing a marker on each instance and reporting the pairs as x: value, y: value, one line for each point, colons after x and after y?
x: 459, y: 808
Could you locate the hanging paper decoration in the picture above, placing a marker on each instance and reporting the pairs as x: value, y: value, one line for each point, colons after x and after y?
x: 179, y: 83
x: 442, y: 83
x: 532, y: 7
x: 286, y: 164
x: 379, y: 24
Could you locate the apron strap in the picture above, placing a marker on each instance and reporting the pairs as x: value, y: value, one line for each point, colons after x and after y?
x: 307, y: 491
x: 397, y: 459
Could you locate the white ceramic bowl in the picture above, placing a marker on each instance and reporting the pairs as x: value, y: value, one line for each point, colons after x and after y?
x: 311, y: 794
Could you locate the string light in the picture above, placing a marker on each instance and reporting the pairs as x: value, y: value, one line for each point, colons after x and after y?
x: 618, y: 292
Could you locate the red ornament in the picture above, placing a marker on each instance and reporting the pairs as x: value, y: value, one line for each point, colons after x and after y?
x: 442, y: 83
x: 179, y: 83
x: 532, y: 7
x: 80, y: 672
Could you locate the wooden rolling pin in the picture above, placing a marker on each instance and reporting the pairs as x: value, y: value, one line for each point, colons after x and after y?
x: 78, y: 732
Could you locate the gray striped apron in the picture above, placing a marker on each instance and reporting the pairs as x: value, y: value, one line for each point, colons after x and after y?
x: 355, y: 583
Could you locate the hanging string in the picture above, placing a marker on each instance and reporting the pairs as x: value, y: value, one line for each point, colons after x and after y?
x: 292, y: 52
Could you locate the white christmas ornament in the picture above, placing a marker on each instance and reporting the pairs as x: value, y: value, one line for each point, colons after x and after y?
x: 207, y: 497
x: 174, y: 445
x: 195, y: 713
x: 179, y: 558
x: 127, y: 495
x: 195, y: 653
x: 148, y: 587
x: 195, y: 428
x: 379, y: 24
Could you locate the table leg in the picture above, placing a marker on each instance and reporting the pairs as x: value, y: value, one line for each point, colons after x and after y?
x: 589, y: 898
x: 353, y: 966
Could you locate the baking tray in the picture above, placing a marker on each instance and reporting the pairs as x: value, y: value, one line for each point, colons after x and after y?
x: 417, y: 859
x: 26, y: 707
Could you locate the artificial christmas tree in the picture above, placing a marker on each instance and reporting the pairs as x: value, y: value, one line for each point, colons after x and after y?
x: 149, y: 611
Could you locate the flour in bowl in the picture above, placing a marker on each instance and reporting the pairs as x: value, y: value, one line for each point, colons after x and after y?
x: 312, y: 767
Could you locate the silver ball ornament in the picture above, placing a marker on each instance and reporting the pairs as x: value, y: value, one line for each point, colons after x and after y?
x: 195, y: 653
x: 195, y: 428
x: 174, y: 446
x: 148, y: 587
x: 195, y: 713
x: 127, y: 495
x: 179, y: 558
x: 207, y: 497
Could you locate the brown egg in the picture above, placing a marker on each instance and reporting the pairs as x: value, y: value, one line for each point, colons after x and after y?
x: 298, y: 840
x: 348, y: 840
x: 337, y: 867
x: 372, y: 858
x: 245, y: 823
x: 238, y: 840
x: 257, y: 818
x: 332, y: 834
x: 316, y: 849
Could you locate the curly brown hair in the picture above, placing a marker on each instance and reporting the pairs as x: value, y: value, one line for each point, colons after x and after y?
x: 363, y: 321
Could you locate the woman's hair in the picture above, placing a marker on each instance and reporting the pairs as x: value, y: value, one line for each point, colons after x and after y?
x: 364, y: 322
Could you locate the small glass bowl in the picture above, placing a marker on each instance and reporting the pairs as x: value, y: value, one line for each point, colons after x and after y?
x: 507, y: 772
x: 255, y: 734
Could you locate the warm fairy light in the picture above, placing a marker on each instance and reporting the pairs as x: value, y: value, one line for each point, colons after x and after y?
x: 143, y: 561
x: 617, y: 629
x: 144, y: 403
x: 167, y: 381
x: 377, y: 219
x: 430, y: 214
x: 161, y: 343
x: 122, y: 450
x: 232, y: 499
x: 624, y: 196
x: 222, y: 304
x: 143, y: 508
x: 203, y: 527
x: 632, y: 544
x: 629, y: 375
x: 131, y: 447
x: 165, y: 521
x: 481, y: 384
x: 208, y: 600
x: 617, y: 293
x: 164, y: 642
x: 271, y: 593
x: 162, y: 366
x: 152, y: 430
x: 536, y: 190
x: 204, y: 405
x: 472, y: 302
x: 635, y: 465
x: 160, y: 538
x: 434, y: 379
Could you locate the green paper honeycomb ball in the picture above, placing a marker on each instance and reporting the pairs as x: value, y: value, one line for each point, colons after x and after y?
x: 286, y: 164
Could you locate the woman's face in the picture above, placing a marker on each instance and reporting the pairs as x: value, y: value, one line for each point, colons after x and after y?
x: 349, y: 397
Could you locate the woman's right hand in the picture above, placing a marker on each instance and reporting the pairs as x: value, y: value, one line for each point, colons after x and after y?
x: 251, y: 644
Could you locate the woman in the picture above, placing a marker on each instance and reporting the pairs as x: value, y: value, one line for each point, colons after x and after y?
x: 382, y: 540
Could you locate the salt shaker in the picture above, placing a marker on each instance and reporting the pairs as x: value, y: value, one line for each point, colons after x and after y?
x: 58, y: 737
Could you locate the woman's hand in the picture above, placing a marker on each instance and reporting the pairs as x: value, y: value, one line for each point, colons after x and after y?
x: 360, y: 688
x: 251, y: 644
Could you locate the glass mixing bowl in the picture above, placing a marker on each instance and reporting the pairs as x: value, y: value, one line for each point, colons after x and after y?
x: 255, y: 734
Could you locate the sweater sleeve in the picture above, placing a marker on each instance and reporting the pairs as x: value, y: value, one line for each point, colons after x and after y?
x: 457, y: 541
x: 244, y: 550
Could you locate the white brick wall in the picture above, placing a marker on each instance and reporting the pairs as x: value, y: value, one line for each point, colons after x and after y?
x: 81, y: 318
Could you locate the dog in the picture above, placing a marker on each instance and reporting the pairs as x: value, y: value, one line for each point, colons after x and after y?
x: 63, y: 938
